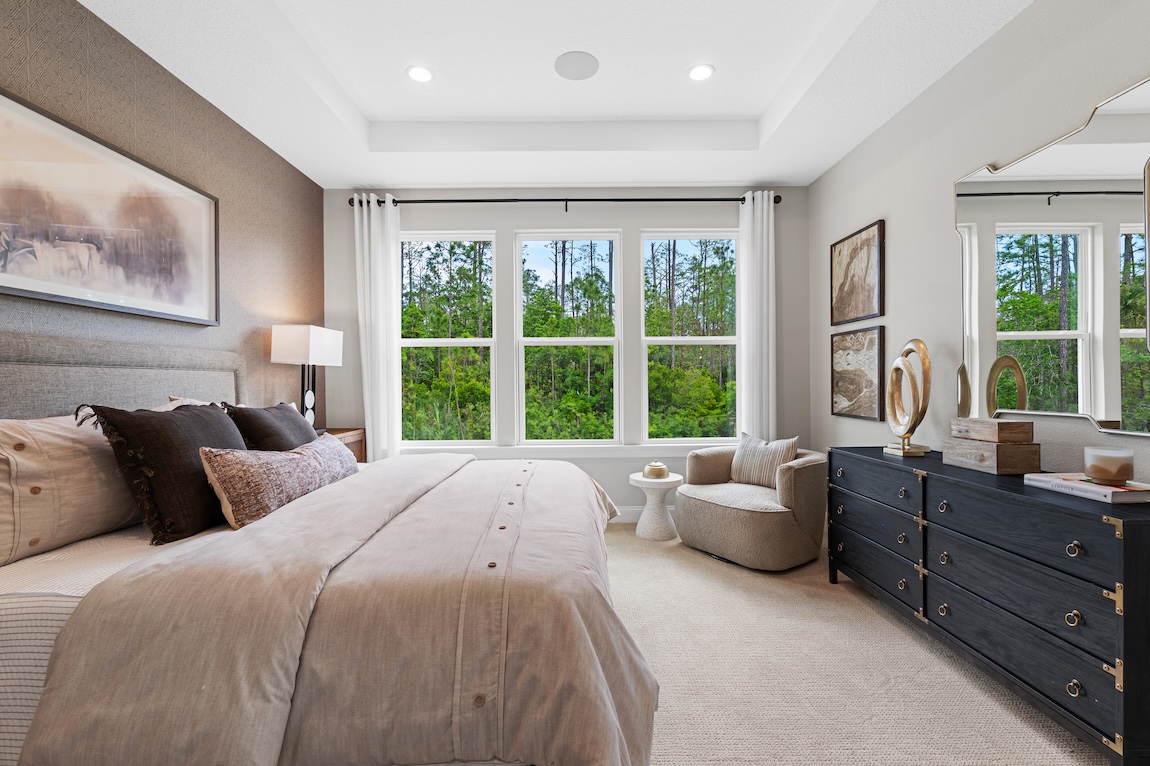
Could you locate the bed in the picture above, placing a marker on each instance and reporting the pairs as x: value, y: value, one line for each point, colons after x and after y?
x: 421, y: 611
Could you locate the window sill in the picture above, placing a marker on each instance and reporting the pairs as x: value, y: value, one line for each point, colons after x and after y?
x: 570, y: 451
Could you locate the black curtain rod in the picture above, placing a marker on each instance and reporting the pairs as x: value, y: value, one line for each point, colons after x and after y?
x: 565, y: 200
x: 1049, y: 195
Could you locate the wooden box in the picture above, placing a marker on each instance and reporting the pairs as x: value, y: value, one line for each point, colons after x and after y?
x: 992, y: 430
x: 992, y: 457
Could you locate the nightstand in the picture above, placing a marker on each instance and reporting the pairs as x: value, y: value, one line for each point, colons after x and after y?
x: 355, y: 439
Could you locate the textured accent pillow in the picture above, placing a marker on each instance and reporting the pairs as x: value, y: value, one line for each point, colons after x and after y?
x: 277, y: 428
x: 58, y: 484
x: 251, y: 484
x: 159, y: 458
x: 757, y: 461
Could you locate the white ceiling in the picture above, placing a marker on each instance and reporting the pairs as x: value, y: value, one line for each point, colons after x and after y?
x: 798, y: 83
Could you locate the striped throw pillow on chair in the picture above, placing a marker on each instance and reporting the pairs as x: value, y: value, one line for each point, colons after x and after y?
x: 757, y: 461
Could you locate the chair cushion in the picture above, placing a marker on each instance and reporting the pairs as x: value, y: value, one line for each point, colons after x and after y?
x: 757, y: 461
x: 745, y: 497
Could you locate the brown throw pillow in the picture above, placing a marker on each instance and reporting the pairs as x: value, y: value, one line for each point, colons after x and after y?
x: 271, y: 428
x: 158, y: 455
x: 251, y: 484
x: 757, y: 461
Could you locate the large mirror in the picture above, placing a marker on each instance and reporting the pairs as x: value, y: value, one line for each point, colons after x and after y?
x: 1054, y: 271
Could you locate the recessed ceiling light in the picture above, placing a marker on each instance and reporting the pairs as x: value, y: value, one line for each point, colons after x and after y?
x: 419, y: 73
x: 701, y: 71
x: 576, y: 65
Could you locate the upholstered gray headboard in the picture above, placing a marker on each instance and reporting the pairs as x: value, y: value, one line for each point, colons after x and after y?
x: 43, y: 376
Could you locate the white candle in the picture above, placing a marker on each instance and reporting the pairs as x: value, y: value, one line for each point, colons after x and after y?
x: 1109, y: 466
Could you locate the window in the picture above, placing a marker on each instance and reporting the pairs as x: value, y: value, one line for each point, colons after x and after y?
x: 568, y: 338
x: 690, y: 337
x: 1134, y: 358
x: 1038, y: 322
x: 447, y: 341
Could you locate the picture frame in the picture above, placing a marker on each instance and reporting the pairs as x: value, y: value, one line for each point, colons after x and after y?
x: 857, y: 275
x: 85, y: 223
x: 858, y: 380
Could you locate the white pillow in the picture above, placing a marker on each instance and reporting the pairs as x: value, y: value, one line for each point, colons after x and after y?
x: 757, y: 461
x: 58, y: 484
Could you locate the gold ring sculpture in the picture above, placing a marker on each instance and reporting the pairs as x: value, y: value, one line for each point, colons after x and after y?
x: 903, y: 421
x: 1001, y: 365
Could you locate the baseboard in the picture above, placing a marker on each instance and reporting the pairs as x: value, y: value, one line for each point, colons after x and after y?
x: 629, y: 514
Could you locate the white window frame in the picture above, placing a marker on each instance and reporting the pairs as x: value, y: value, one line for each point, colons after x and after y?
x: 489, y: 343
x: 1087, y: 329
x: 523, y: 342
x: 646, y: 235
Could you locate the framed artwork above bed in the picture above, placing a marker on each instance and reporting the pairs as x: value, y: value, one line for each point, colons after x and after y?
x: 86, y: 223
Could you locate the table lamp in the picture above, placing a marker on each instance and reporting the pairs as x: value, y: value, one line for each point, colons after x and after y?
x: 311, y: 347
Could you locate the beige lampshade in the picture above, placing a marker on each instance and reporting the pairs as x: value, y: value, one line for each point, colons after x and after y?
x: 306, y: 344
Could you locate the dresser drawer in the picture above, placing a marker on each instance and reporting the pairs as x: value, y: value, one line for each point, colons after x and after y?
x: 889, y: 571
x: 1072, y: 609
x: 1050, y: 666
x: 1083, y: 547
x: 896, y: 486
x: 889, y: 528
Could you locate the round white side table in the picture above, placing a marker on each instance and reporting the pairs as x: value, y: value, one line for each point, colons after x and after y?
x: 656, y: 523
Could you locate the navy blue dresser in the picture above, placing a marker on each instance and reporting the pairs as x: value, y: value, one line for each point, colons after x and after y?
x: 1048, y: 593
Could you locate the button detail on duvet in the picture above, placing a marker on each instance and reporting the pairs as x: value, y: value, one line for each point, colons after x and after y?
x: 18, y: 446
x: 491, y: 564
x: 34, y: 490
x: 480, y: 700
x: 33, y: 542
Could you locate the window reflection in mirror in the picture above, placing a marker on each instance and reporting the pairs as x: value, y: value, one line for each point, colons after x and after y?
x: 1054, y: 258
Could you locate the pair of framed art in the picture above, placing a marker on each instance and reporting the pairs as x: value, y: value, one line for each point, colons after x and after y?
x: 857, y: 356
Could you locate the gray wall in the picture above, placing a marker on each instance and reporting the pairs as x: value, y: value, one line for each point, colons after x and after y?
x: 59, y: 56
x: 1028, y: 85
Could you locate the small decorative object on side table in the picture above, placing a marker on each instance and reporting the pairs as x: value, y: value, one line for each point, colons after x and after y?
x: 355, y: 439
x: 656, y: 523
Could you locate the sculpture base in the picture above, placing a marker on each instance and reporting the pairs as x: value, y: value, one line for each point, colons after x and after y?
x: 905, y: 450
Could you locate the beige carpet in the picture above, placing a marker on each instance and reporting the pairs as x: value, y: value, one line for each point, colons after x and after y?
x: 758, y: 668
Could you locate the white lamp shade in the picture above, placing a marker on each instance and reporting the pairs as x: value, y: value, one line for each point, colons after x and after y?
x: 306, y: 344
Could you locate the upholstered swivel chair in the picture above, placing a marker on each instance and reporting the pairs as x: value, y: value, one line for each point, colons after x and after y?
x: 756, y: 526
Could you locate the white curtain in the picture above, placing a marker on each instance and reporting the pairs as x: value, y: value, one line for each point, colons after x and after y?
x: 755, y: 305
x: 377, y: 263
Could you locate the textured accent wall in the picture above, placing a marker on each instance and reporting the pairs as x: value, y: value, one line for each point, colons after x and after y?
x: 59, y: 56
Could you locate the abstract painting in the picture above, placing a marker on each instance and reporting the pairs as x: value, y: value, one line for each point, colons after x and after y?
x: 857, y: 275
x: 82, y: 222
x: 857, y: 373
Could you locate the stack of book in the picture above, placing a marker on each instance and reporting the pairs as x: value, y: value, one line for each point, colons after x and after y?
x: 992, y: 446
x: 1083, y: 486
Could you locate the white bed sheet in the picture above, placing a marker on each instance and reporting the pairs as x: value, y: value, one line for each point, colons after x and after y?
x: 37, y: 595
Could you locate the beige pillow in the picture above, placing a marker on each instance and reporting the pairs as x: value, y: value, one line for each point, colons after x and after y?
x: 252, y: 483
x: 757, y: 461
x: 58, y: 484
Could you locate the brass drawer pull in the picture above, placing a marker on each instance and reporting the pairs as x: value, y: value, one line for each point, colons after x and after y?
x: 943, y: 610
x: 901, y: 492
x: 839, y: 510
x: 902, y: 538
x: 944, y: 558
x: 902, y: 584
x: 839, y: 473
x: 1074, y: 549
x: 1074, y: 688
x: 1074, y: 618
x: 943, y: 506
x: 839, y: 547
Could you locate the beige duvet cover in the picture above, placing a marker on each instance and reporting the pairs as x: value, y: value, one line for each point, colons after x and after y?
x: 430, y: 609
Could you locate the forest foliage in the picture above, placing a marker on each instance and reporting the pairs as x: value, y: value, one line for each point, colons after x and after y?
x: 1038, y: 283
x: 567, y: 293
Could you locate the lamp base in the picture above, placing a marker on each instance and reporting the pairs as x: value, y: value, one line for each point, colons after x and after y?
x: 900, y: 449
